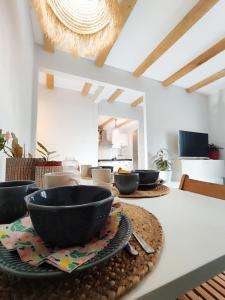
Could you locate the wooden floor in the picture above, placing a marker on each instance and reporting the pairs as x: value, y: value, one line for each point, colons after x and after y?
x: 212, y: 289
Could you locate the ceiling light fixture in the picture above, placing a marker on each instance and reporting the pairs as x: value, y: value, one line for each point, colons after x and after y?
x: 82, y: 26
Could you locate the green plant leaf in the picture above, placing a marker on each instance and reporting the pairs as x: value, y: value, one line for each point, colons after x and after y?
x: 42, y: 146
x: 51, y: 152
x: 44, y: 155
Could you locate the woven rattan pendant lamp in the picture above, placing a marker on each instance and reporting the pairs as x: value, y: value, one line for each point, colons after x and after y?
x: 83, y: 27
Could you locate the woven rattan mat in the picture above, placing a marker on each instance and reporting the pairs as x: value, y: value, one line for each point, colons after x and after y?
x: 156, y: 192
x: 107, y: 281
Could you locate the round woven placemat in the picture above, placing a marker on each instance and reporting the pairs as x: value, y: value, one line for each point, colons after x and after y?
x: 107, y: 281
x: 158, y: 191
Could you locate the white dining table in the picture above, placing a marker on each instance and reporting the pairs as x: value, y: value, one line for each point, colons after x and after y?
x: 194, y: 244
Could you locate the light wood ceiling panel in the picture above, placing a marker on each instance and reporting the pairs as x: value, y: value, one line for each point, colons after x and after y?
x: 86, y: 88
x: 115, y: 95
x: 50, y: 81
x: 195, y: 14
x: 206, y: 81
x: 123, y: 123
x: 107, y: 122
x: 198, y: 61
x: 137, y: 102
x: 48, y: 46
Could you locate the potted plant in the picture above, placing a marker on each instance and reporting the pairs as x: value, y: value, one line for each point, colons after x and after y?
x: 46, y: 164
x: 46, y: 156
x: 214, y: 151
x: 163, y: 164
x: 19, y: 165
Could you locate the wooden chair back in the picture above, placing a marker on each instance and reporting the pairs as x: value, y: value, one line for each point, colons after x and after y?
x: 204, y: 188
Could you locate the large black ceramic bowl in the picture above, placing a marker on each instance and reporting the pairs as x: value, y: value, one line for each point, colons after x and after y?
x: 147, y: 176
x: 126, y: 183
x: 70, y: 215
x: 12, y: 204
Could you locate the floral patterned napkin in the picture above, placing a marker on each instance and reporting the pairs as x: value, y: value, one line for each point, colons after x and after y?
x: 21, y: 236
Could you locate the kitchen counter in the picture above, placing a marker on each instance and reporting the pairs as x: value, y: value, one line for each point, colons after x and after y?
x: 123, y: 163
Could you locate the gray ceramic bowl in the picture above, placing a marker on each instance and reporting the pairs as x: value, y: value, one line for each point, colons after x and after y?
x: 70, y: 215
x: 126, y: 183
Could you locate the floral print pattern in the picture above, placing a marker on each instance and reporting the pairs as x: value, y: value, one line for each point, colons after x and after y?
x: 21, y: 236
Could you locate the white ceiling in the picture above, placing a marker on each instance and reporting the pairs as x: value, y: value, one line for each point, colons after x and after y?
x: 75, y: 83
x: 149, y: 23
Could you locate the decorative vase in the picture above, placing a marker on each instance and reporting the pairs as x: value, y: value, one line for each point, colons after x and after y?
x: 214, y: 154
x: 166, y: 176
x: 20, y: 168
x: 44, y: 167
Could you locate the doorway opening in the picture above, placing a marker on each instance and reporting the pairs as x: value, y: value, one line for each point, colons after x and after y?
x: 118, y: 142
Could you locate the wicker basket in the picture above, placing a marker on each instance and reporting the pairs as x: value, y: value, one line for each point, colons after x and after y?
x: 40, y: 171
x: 20, y: 168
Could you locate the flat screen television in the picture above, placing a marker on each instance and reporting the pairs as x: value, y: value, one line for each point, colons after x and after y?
x: 193, y: 144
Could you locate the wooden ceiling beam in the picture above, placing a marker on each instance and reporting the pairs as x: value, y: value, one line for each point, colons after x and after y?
x: 193, y: 16
x: 137, y: 102
x: 206, y: 81
x: 86, y: 88
x: 115, y: 95
x: 198, y: 61
x: 50, y: 81
x: 48, y: 46
x: 126, y: 7
x: 107, y: 122
x: 123, y: 123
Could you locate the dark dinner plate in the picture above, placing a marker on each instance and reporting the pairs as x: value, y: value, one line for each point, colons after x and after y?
x: 149, y: 186
x: 11, y: 263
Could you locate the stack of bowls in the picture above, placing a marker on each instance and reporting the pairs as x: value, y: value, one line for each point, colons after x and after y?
x: 147, y: 178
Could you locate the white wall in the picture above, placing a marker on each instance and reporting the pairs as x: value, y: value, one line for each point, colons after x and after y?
x: 167, y: 109
x: 67, y: 123
x: 16, y: 71
x: 217, y: 120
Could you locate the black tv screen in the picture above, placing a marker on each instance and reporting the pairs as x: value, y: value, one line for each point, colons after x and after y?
x: 193, y: 144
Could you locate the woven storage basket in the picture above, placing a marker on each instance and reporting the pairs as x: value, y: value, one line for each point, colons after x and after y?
x: 20, y: 168
x: 40, y: 171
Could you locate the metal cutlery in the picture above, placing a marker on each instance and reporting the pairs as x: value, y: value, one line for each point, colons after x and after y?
x: 147, y: 248
x: 131, y: 250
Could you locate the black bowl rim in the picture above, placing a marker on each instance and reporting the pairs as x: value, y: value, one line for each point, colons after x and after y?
x: 126, y: 174
x: 22, y: 183
x: 28, y: 199
x: 145, y: 171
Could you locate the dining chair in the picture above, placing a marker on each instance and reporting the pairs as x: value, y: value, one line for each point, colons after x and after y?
x: 201, y: 187
x: 214, y: 288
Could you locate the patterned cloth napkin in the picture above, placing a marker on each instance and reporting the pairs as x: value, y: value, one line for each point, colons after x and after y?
x: 21, y: 236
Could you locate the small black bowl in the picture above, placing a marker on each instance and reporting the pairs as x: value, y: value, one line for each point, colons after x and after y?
x: 70, y: 215
x: 12, y: 204
x: 147, y: 176
x: 126, y: 183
